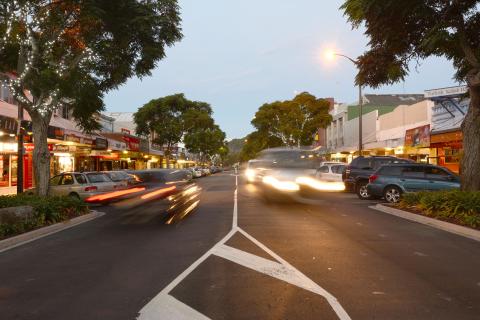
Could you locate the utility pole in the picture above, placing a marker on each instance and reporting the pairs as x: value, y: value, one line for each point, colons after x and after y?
x: 20, y: 133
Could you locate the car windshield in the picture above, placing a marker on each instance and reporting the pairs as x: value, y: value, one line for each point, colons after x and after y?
x: 118, y: 176
x: 98, y: 177
x: 292, y: 159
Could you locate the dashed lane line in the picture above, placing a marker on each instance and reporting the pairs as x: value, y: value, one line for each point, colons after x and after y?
x: 165, y: 306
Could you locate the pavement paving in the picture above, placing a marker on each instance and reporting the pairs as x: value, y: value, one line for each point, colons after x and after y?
x: 335, y: 259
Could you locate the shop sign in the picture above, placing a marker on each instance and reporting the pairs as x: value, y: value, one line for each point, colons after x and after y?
x: 72, y: 138
x: 30, y: 146
x: 88, y: 141
x: 8, y: 147
x: 56, y: 133
x: 8, y: 125
x: 100, y: 144
x: 62, y: 148
x: 123, y: 130
x: 116, y: 145
x: 418, y: 137
x: 443, y: 92
x: 133, y: 144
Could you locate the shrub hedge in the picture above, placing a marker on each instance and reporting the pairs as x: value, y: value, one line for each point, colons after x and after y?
x: 47, y: 210
x: 455, y: 206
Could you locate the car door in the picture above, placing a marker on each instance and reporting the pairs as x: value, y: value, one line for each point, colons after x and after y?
x: 413, y: 178
x: 440, y: 179
x: 337, y: 171
x: 323, y: 172
x: 65, y: 186
x: 54, y: 184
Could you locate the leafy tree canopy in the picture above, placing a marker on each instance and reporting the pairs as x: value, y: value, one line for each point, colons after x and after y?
x: 402, y: 31
x: 71, y: 52
x: 295, y: 121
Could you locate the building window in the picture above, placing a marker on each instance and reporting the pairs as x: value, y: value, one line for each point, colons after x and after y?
x: 452, y: 155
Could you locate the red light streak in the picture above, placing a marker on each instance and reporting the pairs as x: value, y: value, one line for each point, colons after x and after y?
x: 112, y: 195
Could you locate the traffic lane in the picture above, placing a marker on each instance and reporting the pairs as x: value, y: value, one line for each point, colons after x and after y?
x: 376, y: 265
x: 110, y: 267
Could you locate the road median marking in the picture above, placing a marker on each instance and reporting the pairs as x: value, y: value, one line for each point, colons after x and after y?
x: 165, y: 306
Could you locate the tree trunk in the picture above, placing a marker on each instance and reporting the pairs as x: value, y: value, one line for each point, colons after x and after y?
x: 470, y: 166
x: 41, y: 154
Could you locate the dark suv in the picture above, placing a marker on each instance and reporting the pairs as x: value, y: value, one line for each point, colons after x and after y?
x: 355, y: 176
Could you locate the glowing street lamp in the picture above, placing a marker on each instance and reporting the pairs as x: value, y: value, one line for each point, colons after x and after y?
x: 331, y: 55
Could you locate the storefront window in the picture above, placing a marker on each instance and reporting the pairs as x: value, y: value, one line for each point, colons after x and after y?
x: 452, y: 155
x: 14, y: 168
x: 4, y: 170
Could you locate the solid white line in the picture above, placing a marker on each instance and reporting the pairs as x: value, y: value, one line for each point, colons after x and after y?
x: 170, y: 308
x: 235, y: 211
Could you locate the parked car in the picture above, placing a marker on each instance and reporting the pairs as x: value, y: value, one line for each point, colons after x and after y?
x: 391, y: 181
x: 196, y: 172
x: 80, y: 185
x: 330, y: 171
x: 355, y: 176
x: 122, y: 178
x: 206, y: 172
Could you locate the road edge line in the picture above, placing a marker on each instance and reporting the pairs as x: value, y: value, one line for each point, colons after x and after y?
x: 438, y: 224
x: 37, y: 234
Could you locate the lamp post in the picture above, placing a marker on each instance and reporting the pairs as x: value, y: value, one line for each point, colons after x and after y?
x: 360, y: 101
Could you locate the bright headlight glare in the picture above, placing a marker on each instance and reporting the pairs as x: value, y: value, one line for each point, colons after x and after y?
x: 281, y: 185
x: 321, y: 185
x: 250, y: 174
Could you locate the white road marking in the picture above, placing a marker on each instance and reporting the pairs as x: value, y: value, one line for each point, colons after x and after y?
x: 164, y: 306
x: 170, y: 308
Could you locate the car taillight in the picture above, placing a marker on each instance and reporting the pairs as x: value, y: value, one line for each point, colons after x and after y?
x: 372, y: 178
x: 92, y: 188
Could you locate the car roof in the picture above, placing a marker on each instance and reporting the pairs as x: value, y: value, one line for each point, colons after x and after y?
x: 408, y: 164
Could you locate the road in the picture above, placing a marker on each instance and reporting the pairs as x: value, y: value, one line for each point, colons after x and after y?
x: 239, y: 257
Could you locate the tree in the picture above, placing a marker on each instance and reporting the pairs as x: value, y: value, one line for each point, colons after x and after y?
x: 161, y: 119
x: 71, y: 52
x: 295, y: 121
x: 206, y: 141
x: 402, y: 31
x: 172, y: 119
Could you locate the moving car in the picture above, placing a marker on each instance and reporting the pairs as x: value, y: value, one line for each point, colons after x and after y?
x: 173, y: 193
x: 122, y: 178
x: 355, y: 176
x: 254, y: 170
x: 330, y: 171
x: 80, y: 185
x: 391, y: 181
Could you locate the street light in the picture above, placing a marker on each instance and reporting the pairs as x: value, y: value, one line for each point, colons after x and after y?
x: 330, y: 55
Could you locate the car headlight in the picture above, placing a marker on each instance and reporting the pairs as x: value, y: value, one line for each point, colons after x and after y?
x: 250, y: 174
x: 281, y: 185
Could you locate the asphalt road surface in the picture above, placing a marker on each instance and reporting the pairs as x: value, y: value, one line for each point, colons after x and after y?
x: 240, y: 257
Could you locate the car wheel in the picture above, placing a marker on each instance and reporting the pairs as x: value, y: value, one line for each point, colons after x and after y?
x: 392, y: 194
x: 362, y: 191
x: 74, y: 195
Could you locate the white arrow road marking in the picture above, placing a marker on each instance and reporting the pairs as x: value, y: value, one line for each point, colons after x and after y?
x: 165, y: 306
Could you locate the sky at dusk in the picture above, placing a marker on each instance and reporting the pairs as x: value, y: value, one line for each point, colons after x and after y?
x: 237, y: 55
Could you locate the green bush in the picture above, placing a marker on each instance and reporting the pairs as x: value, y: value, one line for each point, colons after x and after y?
x: 47, y: 210
x: 457, y: 206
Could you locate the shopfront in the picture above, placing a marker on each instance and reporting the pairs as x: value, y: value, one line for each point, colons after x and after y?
x: 448, y: 114
x: 448, y: 147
